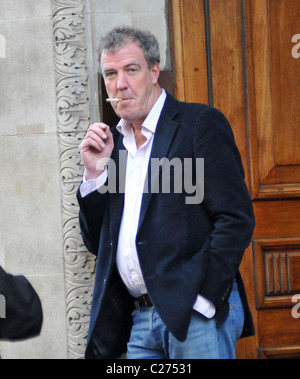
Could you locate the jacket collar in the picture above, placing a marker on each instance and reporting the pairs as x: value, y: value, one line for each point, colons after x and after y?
x: 165, y: 132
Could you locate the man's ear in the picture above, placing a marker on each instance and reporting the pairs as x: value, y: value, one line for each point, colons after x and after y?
x: 155, y: 71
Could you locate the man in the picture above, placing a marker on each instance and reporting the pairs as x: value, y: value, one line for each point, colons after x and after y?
x: 169, y: 258
x: 21, y: 314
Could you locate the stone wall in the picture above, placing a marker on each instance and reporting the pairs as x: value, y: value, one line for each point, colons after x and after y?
x: 151, y: 15
x: 30, y: 196
x: 49, y: 96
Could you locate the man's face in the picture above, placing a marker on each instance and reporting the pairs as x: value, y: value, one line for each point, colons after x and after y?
x: 127, y: 76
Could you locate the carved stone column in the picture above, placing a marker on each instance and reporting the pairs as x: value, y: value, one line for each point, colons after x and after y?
x: 73, y: 118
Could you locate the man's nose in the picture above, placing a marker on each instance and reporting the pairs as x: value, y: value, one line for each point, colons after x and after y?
x: 121, y: 81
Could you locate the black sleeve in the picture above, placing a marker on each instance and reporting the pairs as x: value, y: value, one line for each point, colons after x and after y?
x: 91, y: 214
x: 227, y: 202
x: 20, y: 306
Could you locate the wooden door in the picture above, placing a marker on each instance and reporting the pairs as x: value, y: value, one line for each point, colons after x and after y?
x: 242, y: 56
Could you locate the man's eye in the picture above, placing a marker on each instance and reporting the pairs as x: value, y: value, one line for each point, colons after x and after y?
x: 132, y: 70
x: 109, y: 74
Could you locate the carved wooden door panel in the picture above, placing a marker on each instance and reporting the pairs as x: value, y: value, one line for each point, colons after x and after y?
x: 242, y: 57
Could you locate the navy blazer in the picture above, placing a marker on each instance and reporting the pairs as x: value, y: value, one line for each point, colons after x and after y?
x: 184, y: 250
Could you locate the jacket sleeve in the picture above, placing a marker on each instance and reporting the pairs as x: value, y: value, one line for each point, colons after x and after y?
x: 91, y: 214
x: 21, y: 309
x: 226, y: 200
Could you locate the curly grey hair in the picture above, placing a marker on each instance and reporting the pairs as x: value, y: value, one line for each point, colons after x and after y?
x: 119, y: 37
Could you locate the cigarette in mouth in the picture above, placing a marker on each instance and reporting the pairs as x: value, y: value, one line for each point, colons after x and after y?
x: 110, y: 100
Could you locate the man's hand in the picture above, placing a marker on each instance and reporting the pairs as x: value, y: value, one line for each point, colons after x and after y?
x: 96, y: 149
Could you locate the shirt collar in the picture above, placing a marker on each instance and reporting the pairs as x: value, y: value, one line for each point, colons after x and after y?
x: 150, y: 123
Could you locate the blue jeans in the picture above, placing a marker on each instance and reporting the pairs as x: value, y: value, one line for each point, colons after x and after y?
x: 206, y: 338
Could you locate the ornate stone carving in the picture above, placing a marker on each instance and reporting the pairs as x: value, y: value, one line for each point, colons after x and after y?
x: 72, y: 121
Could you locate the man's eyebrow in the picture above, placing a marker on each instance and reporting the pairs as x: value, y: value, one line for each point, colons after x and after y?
x: 107, y: 69
x: 134, y: 63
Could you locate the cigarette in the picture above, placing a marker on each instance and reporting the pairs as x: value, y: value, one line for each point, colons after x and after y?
x: 110, y: 100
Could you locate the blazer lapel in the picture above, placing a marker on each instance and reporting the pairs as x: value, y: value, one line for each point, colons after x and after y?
x: 165, y: 132
x: 117, y: 197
